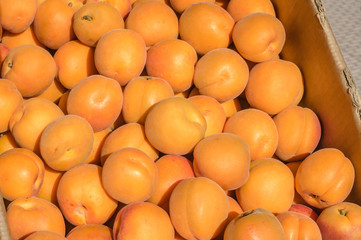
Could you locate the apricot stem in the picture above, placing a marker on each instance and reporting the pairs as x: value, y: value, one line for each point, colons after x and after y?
x: 70, y: 4
x: 88, y: 18
x: 342, y: 212
x: 247, y: 213
x: 10, y: 64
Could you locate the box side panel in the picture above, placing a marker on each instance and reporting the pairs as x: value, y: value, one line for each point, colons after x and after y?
x: 329, y: 88
x: 4, y: 231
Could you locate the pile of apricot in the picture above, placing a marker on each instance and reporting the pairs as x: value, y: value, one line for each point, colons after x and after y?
x: 164, y: 120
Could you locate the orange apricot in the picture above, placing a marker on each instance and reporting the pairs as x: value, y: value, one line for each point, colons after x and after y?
x: 293, y: 166
x: 270, y: 185
x: 269, y: 81
x: 45, y: 235
x: 176, y: 119
x: 174, y: 61
x: 27, y: 37
x: 150, y: 90
x: 120, y: 54
x: 94, y: 19
x: 241, y: 8
x: 30, y: 77
x: 10, y: 99
x: 257, y: 128
x: 7, y: 142
x: 220, y: 155
x: 206, y: 26
x: 50, y: 185
x: 123, y: 6
x: 53, y: 92
x: 90, y: 232
x: 221, y: 73
x: 98, y: 99
x: 21, y: 173
x: 171, y: 170
x: 231, y: 107
x: 259, y: 36
x: 99, y: 139
x: 75, y: 61
x: 180, y: 5
x: 128, y: 135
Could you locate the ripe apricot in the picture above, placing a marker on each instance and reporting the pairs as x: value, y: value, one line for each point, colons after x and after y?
x: 270, y: 185
x: 212, y: 111
x: 293, y: 166
x: 269, y: 81
x: 45, y: 235
x: 123, y: 6
x: 120, y: 54
x: 50, y: 185
x: 154, y: 21
x: 98, y: 99
x: 322, y: 186
x: 82, y: 197
x: 53, y: 92
x: 298, y: 224
x: 94, y: 19
x: 257, y: 128
x: 241, y: 8
x: 21, y: 173
x: 259, y: 36
x: 75, y: 61
x: 99, y: 139
x: 131, y: 166
x: 90, y: 232
x: 27, y: 215
x: 53, y: 22
x: 187, y: 205
x: 177, y: 119
x: 26, y: 37
x: 171, y: 170
x: 10, y: 99
x: 257, y: 223
x: 30, y: 77
x: 220, y: 155
x: 221, y: 73
x: 66, y: 142
x: 299, y: 131
x: 140, y: 94
x: 30, y: 119
x: 127, y: 135
x: 7, y: 142
x: 174, y: 61
x: 142, y: 220
x: 180, y: 5
x: 206, y: 26
x: 17, y: 15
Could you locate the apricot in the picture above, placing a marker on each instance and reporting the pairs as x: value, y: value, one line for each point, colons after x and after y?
x: 50, y: 185
x: 171, y: 170
x: 99, y: 139
x: 45, y: 235
x: 177, y: 119
x: 27, y: 37
x: 322, y: 186
x: 340, y: 221
x: 82, y: 197
x: 90, y: 232
x: 259, y: 36
x: 187, y: 208
x: 241, y: 8
x: 66, y: 142
x: 127, y: 135
x: 131, y: 166
x: 142, y: 220
x: 30, y: 77
x: 257, y: 223
x: 7, y: 142
x: 220, y: 155
x: 120, y: 54
x: 212, y: 111
x: 174, y: 61
x: 63, y: 100
x: 75, y: 61
x: 123, y: 6
x: 257, y: 128
x: 299, y: 132
x: 293, y: 166
x: 299, y: 226
x: 270, y: 185
x: 53, y: 22
x: 53, y: 92
x: 267, y: 83
x: 27, y: 215
x: 10, y: 99
x: 206, y: 26
x: 96, y: 96
x: 180, y: 5
x: 30, y: 119
x: 17, y: 15
x: 140, y: 94
x: 94, y: 19
x: 21, y: 173
x: 4, y: 51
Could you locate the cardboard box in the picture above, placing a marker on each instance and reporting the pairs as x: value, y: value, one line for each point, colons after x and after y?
x: 329, y: 88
